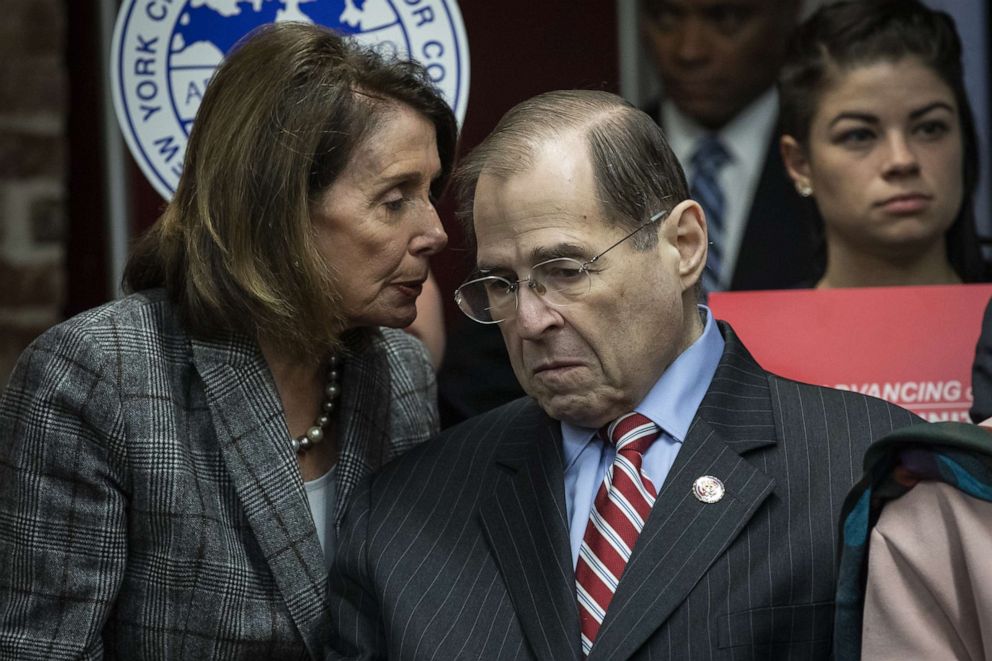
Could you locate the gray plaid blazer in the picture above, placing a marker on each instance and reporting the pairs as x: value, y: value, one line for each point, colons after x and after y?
x: 460, y: 549
x: 150, y: 504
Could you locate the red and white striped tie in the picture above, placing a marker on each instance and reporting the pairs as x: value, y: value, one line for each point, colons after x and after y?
x: 622, y: 505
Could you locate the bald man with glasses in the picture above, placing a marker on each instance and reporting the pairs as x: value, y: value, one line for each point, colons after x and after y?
x: 657, y: 494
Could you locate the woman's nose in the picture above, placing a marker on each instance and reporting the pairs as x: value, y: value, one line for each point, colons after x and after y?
x: 432, y: 239
x: 901, y: 158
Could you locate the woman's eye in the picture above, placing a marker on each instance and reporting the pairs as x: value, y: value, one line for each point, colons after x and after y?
x: 395, y: 204
x: 932, y: 129
x: 855, y: 137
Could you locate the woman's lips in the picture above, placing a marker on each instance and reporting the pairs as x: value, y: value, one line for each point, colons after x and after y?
x: 906, y: 204
x: 410, y: 289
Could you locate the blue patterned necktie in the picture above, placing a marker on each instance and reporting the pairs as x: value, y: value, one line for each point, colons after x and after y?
x: 707, y: 160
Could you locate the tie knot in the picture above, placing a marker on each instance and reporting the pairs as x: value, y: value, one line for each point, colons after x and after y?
x: 710, y: 154
x: 631, y: 432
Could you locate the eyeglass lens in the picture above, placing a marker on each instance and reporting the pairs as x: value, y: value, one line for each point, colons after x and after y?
x: 557, y: 281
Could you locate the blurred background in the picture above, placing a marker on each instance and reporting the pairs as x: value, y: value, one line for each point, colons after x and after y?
x: 72, y: 198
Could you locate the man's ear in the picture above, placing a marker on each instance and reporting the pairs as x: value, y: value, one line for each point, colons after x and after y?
x: 686, y: 225
x: 796, y: 164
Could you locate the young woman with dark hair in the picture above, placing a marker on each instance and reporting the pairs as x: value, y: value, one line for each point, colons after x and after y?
x: 878, y: 131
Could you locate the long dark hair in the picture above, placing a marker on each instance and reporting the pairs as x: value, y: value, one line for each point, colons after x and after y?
x: 856, y: 33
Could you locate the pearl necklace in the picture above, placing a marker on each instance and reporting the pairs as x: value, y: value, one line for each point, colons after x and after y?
x: 315, y: 434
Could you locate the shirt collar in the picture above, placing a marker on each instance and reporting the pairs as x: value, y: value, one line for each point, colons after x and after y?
x: 748, y: 133
x: 672, y: 401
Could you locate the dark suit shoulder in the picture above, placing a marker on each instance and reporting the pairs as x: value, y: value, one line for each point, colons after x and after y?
x: 874, y: 405
x: 840, y: 414
x: 469, y: 446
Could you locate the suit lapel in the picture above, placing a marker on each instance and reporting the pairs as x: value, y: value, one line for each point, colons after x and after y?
x: 254, y: 442
x: 525, y: 523
x: 680, y: 541
x: 684, y: 536
x: 363, y: 418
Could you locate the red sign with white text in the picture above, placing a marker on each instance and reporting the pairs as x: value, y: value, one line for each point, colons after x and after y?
x: 912, y: 346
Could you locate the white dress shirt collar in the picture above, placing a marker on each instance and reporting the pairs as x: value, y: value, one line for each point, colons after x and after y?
x: 746, y: 139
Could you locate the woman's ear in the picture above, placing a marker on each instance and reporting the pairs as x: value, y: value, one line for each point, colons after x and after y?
x: 796, y: 164
x: 686, y: 225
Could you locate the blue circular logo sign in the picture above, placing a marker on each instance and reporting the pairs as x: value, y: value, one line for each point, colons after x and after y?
x: 165, y: 51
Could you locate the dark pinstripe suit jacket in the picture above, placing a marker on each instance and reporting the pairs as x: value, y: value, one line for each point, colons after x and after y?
x: 460, y: 548
x: 150, y: 504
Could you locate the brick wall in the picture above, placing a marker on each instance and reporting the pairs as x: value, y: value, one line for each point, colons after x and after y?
x: 33, y: 84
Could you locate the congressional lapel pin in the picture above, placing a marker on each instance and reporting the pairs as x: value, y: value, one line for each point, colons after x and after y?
x: 708, y: 489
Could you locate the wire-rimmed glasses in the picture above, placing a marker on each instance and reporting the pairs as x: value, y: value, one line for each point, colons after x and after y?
x: 560, y: 281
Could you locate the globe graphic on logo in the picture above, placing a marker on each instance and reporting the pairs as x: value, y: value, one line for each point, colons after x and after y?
x: 165, y: 53
x: 207, y: 30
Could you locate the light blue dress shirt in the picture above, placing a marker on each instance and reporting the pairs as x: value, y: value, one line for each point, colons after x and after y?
x: 671, y: 404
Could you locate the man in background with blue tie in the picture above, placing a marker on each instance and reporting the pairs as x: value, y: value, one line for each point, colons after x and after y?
x: 717, y: 62
x: 658, y: 494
